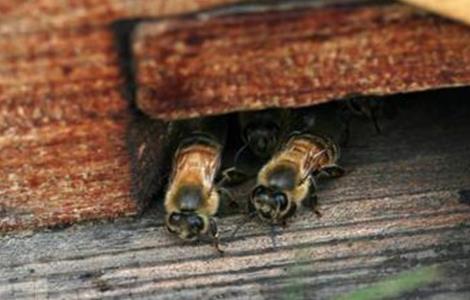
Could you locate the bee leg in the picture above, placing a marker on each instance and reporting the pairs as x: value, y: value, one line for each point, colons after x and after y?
x: 345, y: 135
x: 312, y: 203
x: 215, y: 235
x: 373, y: 117
x: 370, y: 108
x: 227, y: 197
x: 232, y: 176
x: 332, y: 171
x: 312, y: 199
x: 366, y: 107
x: 345, y: 117
x: 229, y: 178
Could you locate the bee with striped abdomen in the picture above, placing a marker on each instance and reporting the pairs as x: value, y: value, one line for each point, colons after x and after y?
x: 288, y: 178
x: 192, y: 197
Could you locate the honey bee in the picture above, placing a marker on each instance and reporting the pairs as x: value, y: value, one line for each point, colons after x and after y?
x: 261, y: 133
x: 288, y: 178
x: 365, y: 107
x: 370, y: 108
x: 192, y: 197
x: 263, y: 130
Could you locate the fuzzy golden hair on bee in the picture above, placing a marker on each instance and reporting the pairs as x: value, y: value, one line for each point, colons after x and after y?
x: 287, y: 179
x: 194, y: 166
x: 192, y: 196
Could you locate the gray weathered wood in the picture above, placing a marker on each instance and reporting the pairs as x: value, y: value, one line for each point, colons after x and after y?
x: 398, y: 209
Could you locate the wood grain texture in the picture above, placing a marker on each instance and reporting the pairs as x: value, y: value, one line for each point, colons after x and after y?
x: 63, y: 117
x: 293, y: 58
x: 399, y: 208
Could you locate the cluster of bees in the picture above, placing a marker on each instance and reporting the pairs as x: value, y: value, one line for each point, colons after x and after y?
x: 285, y: 151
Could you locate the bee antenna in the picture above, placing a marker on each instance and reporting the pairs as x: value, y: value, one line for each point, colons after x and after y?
x: 373, y: 117
x: 371, y: 112
x: 249, y: 217
x: 238, y: 154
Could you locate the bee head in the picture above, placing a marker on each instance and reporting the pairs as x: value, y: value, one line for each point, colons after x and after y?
x: 187, y: 225
x: 271, y: 204
x: 262, y: 139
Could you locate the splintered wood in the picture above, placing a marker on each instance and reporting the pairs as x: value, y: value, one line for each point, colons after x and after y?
x: 62, y: 116
x: 187, y: 68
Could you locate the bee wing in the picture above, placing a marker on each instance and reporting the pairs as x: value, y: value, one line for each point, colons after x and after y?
x: 311, y: 163
x: 212, y: 167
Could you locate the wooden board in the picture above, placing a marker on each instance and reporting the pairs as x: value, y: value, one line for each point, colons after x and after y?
x: 63, y: 117
x: 293, y: 58
x: 404, y: 206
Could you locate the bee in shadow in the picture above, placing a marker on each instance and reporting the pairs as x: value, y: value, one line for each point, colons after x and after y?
x: 260, y: 133
x: 362, y: 107
x: 306, y: 148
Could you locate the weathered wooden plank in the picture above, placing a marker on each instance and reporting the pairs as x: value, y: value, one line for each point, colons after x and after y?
x: 30, y: 17
x: 291, y: 58
x: 399, y: 208
x: 63, y: 117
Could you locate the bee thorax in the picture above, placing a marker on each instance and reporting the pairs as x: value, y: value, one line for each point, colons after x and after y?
x: 189, y: 198
x: 283, y: 177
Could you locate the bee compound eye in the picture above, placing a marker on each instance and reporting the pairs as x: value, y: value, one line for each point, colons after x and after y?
x: 195, y: 222
x: 174, y: 218
x: 258, y: 191
x: 281, y: 200
x: 170, y: 230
